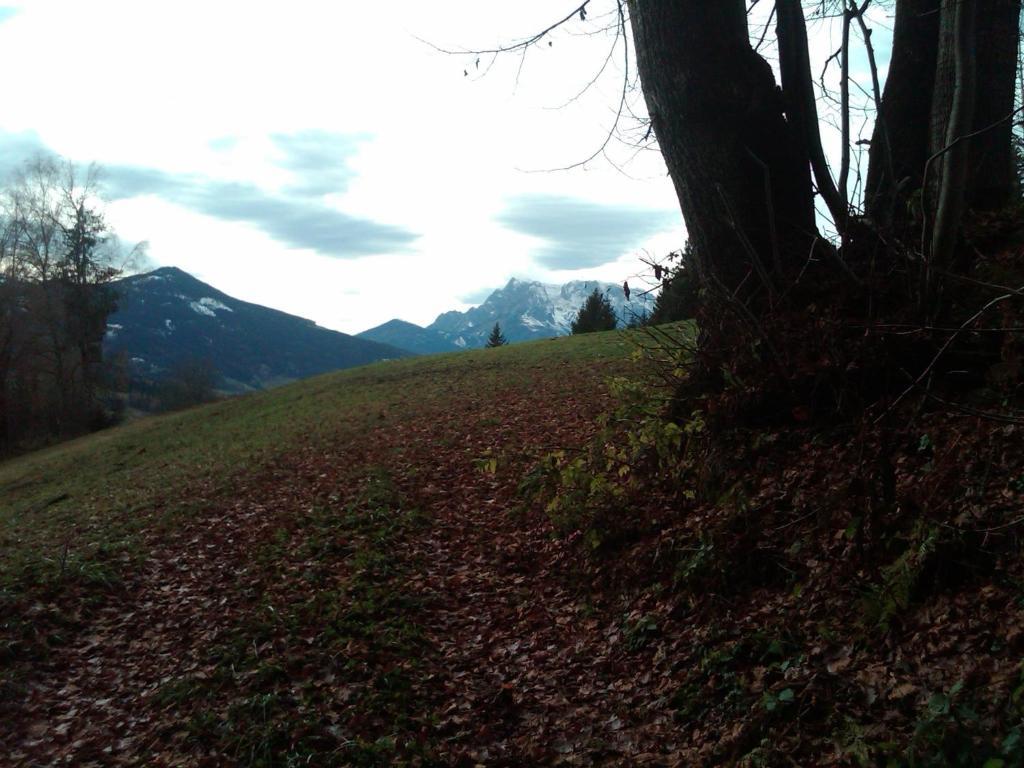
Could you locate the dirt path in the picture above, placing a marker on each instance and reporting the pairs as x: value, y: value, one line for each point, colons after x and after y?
x: 521, y: 667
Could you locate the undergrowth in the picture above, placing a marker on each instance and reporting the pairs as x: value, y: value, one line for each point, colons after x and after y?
x: 868, y: 535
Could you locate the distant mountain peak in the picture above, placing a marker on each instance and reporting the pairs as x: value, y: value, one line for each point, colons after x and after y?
x: 410, y: 337
x: 530, y: 309
x: 167, y: 316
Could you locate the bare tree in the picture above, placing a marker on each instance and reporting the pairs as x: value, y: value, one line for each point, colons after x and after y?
x: 57, y: 258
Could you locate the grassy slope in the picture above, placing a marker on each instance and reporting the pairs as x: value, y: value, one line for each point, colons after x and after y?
x: 97, y: 490
x: 342, y: 572
x: 304, y: 499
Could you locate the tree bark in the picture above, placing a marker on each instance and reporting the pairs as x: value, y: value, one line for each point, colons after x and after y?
x: 952, y: 121
x: 993, y: 178
x: 899, y: 144
x: 739, y: 168
x: 801, y: 100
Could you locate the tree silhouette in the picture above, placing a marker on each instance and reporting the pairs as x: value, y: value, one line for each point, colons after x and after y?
x: 497, y: 338
x: 596, y: 314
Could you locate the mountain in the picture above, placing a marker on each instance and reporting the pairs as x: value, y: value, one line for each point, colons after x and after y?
x: 167, y: 317
x: 408, y: 336
x: 532, y: 310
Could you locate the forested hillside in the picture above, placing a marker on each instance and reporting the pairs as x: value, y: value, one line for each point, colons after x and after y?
x: 166, y: 318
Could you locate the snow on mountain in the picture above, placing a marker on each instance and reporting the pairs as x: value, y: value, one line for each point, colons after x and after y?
x: 530, y: 310
x: 168, y: 317
x: 207, y: 306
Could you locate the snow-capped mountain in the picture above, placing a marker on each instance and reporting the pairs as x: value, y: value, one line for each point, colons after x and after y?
x: 167, y: 317
x: 533, y: 310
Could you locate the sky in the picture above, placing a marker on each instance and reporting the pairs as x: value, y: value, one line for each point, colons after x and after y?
x: 325, y: 159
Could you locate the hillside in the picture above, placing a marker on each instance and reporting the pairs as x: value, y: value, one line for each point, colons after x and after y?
x: 365, y: 568
x: 410, y: 337
x: 167, y: 317
x: 142, y: 567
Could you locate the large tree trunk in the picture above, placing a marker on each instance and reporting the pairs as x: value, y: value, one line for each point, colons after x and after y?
x: 899, y: 146
x: 993, y: 179
x: 917, y: 104
x: 739, y: 170
x: 952, y: 120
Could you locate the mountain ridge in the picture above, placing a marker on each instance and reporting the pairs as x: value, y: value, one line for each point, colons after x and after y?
x: 408, y: 336
x: 168, y: 317
x: 525, y: 310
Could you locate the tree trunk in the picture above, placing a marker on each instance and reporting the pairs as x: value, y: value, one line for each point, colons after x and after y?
x: 739, y: 169
x: 899, y: 145
x: 952, y: 120
x: 801, y: 100
x: 993, y: 179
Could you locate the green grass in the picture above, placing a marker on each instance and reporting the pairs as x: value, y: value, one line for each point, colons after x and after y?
x: 65, y: 503
x: 271, y: 708
x: 71, y: 516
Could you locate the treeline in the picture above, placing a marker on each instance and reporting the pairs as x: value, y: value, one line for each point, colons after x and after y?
x: 58, y: 256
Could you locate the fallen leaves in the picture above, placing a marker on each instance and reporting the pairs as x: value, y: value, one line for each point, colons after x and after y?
x: 300, y: 615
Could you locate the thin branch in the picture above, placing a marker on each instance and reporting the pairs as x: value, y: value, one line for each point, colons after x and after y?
x: 580, y: 11
x: 942, y: 350
x: 943, y: 151
x: 1002, y: 418
x: 622, y: 100
x: 876, y: 89
x: 950, y: 206
x: 601, y: 71
x: 767, y: 26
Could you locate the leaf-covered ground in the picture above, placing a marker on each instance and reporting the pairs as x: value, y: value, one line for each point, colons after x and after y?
x: 362, y: 588
x: 347, y: 572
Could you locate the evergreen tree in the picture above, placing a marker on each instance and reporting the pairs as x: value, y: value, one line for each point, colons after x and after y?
x: 677, y: 300
x: 596, y: 314
x: 679, y: 291
x: 497, y: 338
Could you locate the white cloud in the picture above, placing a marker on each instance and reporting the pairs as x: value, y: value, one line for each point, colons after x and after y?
x: 245, y: 95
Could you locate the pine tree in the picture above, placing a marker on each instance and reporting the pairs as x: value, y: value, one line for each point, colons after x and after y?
x: 497, y: 338
x: 596, y: 314
x: 679, y: 290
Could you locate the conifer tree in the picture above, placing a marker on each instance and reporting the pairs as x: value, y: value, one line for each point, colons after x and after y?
x: 497, y: 338
x: 596, y: 314
x: 679, y: 290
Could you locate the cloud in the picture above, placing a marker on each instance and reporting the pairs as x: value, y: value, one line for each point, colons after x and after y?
x: 294, y: 221
x: 223, y: 143
x: 319, y: 160
x: 479, y: 296
x: 296, y: 217
x: 18, y: 148
x: 580, y: 234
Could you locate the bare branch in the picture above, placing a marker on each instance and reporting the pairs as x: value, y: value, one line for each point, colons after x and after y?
x: 620, y: 34
x: 579, y: 12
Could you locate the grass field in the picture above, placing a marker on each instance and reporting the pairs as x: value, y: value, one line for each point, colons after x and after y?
x: 95, y: 491
x: 354, y: 571
x: 197, y: 577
